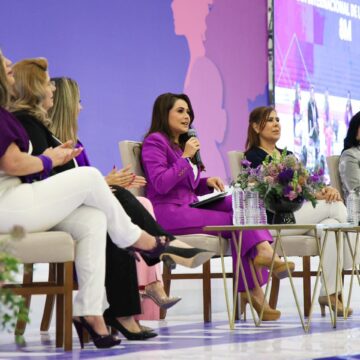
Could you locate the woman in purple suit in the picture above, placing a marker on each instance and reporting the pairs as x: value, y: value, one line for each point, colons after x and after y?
x: 173, y: 183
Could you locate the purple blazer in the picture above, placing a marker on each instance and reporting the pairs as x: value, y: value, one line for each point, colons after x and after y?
x: 170, y: 178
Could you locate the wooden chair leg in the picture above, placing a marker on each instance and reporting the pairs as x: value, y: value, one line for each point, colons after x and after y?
x: 59, y: 307
x: 167, y: 283
x: 306, y: 284
x: 68, y: 286
x: 27, y: 279
x: 274, y: 293
x: 207, y: 291
x: 49, y: 303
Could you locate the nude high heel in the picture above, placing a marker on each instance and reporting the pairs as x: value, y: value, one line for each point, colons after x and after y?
x: 269, y: 314
x: 323, y: 302
x: 156, y: 293
x: 279, y: 269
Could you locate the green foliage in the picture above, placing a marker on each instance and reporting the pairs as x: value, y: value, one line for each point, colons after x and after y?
x: 12, y: 307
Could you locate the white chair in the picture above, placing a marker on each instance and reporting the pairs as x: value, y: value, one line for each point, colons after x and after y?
x: 130, y: 154
x: 333, y: 168
x: 55, y: 248
x: 294, y: 245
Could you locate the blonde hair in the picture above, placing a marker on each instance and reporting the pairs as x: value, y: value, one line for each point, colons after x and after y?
x: 29, y: 89
x: 64, y: 113
x: 4, y: 89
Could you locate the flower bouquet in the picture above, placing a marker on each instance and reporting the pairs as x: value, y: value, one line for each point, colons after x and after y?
x: 282, y: 182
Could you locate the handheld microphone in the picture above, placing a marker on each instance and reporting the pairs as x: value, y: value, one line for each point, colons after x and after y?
x: 198, y: 161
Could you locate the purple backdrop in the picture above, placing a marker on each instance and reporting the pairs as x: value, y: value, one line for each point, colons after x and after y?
x: 125, y: 53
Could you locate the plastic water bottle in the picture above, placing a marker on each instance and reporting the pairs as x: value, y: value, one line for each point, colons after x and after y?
x: 263, y: 215
x: 353, y: 206
x: 238, y: 205
x: 252, y: 207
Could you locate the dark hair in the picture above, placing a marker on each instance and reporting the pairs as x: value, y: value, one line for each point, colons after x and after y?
x: 4, y: 90
x: 259, y: 116
x: 350, y: 139
x: 160, y: 119
x: 160, y: 116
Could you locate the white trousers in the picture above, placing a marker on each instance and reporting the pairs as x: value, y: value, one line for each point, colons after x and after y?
x: 328, y: 213
x: 79, y: 202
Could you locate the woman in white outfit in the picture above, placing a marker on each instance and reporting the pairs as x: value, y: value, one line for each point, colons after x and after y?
x: 77, y: 201
x: 263, y: 133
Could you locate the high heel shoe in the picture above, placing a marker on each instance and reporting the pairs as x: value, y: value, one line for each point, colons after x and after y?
x: 323, y: 302
x: 100, y: 341
x: 144, y: 328
x: 188, y: 257
x: 269, y: 314
x: 156, y: 293
x: 279, y: 269
x: 142, y: 335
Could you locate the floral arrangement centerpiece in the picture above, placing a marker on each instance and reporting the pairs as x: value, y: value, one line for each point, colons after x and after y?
x: 12, y: 307
x: 282, y: 181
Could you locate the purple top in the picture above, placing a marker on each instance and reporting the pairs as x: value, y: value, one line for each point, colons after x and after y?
x: 170, y: 177
x: 11, y: 132
x: 82, y: 159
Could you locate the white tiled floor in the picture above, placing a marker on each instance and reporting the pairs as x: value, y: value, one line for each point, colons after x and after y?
x: 184, y: 336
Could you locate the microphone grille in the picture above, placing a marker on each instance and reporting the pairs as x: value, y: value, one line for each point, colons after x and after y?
x: 191, y: 132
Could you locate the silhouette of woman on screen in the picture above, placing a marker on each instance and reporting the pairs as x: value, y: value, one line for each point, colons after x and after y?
x: 203, y: 83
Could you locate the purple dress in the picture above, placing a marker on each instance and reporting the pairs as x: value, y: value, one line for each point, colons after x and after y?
x: 171, y: 187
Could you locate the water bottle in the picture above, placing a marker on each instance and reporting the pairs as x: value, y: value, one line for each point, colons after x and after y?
x: 352, y: 206
x: 263, y: 215
x: 252, y: 207
x: 238, y: 205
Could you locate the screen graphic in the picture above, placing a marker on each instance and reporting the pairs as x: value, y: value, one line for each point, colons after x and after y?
x: 317, y: 74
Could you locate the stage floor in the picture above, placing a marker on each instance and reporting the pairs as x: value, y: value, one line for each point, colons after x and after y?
x: 184, y: 335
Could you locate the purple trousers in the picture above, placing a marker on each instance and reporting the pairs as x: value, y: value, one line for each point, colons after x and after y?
x: 184, y: 220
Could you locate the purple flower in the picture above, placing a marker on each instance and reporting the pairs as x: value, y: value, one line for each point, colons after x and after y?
x: 315, y: 178
x: 286, y: 176
x: 289, y: 193
x: 245, y: 162
x: 287, y: 189
x: 321, y: 172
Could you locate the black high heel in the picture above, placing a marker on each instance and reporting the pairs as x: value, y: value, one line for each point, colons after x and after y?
x: 100, y: 341
x: 142, y: 335
x: 189, y: 257
x: 155, y: 252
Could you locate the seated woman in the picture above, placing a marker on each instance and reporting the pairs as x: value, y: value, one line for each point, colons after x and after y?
x: 264, y: 131
x: 64, y: 125
x: 349, y: 165
x: 173, y: 183
x: 77, y: 201
x: 30, y: 108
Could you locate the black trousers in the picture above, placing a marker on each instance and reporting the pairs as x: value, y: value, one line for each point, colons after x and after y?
x: 121, y: 281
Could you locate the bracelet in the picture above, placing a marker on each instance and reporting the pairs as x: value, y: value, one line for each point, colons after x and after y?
x: 47, y: 164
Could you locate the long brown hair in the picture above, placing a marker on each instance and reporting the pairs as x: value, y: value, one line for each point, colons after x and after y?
x: 259, y: 116
x: 64, y: 113
x: 29, y: 89
x: 4, y: 87
x: 160, y: 116
x: 160, y: 120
